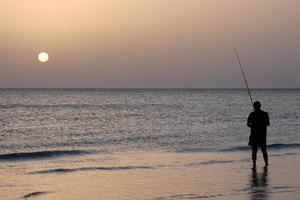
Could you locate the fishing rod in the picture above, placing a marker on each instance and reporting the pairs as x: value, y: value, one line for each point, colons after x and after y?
x: 240, y: 63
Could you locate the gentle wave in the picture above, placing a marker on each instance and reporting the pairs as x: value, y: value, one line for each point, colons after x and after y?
x: 76, y: 106
x: 41, y: 154
x: 211, y: 162
x: 271, y: 146
x: 276, y: 146
x: 33, y: 194
x: 69, y: 170
x: 188, y: 196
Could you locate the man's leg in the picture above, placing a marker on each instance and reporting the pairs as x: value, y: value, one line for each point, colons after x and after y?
x: 254, y: 153
x: 265, y: 154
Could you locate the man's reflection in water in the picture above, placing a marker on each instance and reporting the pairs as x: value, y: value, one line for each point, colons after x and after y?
x: 259, y: 185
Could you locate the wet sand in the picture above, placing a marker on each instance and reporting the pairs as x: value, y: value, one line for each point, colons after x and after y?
x: 153, y: 176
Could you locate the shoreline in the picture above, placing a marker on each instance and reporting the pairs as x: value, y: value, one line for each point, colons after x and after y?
x: 153, y: 175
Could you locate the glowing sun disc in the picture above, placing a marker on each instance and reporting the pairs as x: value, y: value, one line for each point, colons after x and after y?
x: 43, y: 57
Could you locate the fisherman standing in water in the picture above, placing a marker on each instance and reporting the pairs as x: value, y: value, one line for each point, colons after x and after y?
x: 258, y: 121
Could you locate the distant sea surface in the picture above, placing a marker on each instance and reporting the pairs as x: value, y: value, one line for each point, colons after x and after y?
x: 113, y: 120
x: 148, y: 144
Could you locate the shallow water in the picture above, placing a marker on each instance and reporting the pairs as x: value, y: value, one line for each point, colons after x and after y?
x: 144, y: 144
x: 153, y: 176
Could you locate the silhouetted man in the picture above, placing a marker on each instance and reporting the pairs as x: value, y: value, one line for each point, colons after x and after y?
x: 258, y: 122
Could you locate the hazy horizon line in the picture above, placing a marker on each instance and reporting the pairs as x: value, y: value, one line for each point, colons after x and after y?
x: 145, y: 88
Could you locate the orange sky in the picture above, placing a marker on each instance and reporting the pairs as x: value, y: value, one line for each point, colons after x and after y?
x: 149, y: 43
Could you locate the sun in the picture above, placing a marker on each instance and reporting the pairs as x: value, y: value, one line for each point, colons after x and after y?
x: 43, y: 57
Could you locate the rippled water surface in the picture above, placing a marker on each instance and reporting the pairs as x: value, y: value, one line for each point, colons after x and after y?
x: 125, y: 120
x: 145, y: 144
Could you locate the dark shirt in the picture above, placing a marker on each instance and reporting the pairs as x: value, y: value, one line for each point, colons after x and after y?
x: 258, y: 122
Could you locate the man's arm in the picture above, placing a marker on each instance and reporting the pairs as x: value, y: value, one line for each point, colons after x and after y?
x: 249, y: 121
x: 267, y: 119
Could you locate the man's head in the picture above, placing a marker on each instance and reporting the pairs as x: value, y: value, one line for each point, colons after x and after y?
x: 256, y: 105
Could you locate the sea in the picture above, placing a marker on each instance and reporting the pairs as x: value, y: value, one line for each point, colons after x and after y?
x: 47, y: 133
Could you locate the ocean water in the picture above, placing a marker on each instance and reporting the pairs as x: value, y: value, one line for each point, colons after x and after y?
x: 54, y: 138
x: 125, y: 120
